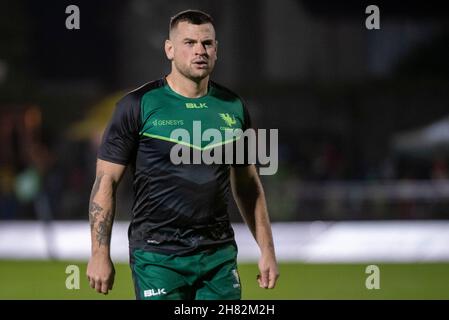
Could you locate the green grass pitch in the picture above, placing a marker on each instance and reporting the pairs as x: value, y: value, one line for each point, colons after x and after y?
x: 46, y: 280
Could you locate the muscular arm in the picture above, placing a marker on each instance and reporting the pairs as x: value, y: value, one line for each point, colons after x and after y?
x: 100, y: 270
x: 250, y: 198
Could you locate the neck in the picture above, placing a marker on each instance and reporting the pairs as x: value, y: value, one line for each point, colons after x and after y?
x: 187, y: 87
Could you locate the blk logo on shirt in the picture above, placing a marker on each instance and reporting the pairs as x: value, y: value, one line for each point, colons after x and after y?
x: 190, y: 105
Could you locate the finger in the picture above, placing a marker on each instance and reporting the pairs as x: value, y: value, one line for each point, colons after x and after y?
x: 98, y: 286
x: 111, y: 283
x: 272, y: 279
x: 264, y: 279
x: 259, y: 280
x: 91, y: 282
x: 104, y: 287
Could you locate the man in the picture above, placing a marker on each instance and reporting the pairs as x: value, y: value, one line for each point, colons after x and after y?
x: 181, y: 241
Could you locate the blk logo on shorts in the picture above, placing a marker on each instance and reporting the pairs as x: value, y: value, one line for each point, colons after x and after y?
x: 154, y: 292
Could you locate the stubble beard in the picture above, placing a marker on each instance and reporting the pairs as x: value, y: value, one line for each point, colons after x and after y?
x: 190, y: 72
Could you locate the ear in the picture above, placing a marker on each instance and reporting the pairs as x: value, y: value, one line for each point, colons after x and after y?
x: 216, y: 49
x: 169, y: 50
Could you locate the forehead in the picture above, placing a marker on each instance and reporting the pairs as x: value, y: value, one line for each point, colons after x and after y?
x: 185, y: 29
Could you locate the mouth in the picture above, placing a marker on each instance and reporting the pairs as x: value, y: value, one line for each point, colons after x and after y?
x: 202, y: 64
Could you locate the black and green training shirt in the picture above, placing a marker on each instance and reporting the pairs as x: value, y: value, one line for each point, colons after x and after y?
x: 177, y: 209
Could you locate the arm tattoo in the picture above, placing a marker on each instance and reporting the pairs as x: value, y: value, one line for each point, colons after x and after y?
x: 94, y: 212
x: 94, y: 208
x: 102, y: 228
x: 96, y: 186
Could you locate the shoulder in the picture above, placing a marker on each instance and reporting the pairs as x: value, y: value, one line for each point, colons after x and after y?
x: 128, y: 108
x: 134, y: 97
x: 225, y: 93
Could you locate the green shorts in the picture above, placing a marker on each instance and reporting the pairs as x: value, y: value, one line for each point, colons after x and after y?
x: 210, y: 275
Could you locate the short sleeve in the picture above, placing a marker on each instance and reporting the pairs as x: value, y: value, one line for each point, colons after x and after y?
x: 121, y: 137
x: 246, y: 118
x: 246, y: 125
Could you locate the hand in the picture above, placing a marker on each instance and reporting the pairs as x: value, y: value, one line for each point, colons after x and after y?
x: 268, y: 272
x: 100, y: 273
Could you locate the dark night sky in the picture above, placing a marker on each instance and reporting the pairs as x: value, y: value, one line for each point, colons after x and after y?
x: 348, y: 9
x: 91, y: 52
x: 59, y: 53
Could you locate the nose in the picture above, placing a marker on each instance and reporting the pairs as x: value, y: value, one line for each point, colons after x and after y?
x: 200, y: 49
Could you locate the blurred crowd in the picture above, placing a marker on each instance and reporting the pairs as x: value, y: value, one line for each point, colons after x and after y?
x: 46, y: 176
x: 42, y: 175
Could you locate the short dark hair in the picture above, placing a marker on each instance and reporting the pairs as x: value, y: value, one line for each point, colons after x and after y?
x: 192, y: 16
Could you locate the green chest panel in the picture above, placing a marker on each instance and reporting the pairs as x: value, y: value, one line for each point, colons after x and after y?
x: 163, y: 111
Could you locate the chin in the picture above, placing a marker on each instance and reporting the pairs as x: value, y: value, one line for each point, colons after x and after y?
x: 198, y: 76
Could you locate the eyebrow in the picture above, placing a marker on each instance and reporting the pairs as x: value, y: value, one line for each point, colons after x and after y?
x: 193, y: 40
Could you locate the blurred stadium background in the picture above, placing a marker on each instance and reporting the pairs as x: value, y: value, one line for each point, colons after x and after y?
x: 363, y: 134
